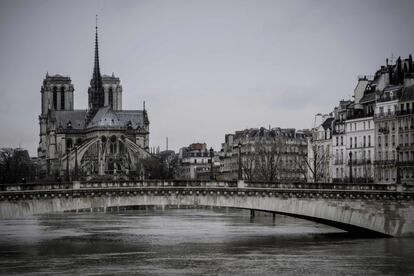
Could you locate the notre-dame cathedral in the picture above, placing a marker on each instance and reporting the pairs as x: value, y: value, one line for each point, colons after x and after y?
x: 100, y: 142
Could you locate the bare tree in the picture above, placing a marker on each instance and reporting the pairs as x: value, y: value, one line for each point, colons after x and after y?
x: 316, y: 162
x: 262, y: 160
x: 248, y: 165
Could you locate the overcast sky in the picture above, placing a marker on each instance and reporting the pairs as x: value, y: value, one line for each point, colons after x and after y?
x: 204, y: 68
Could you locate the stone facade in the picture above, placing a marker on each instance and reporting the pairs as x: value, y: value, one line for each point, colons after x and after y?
x: 373, y: 135
x: 100, y: 142
x: 194, y: 161
x: 274, y: 154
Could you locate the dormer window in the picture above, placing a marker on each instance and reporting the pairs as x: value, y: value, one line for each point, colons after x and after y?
x: 129, y: 125
x: 69, y: 125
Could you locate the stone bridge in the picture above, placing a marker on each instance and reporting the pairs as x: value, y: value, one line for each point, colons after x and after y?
x: 371, y: 209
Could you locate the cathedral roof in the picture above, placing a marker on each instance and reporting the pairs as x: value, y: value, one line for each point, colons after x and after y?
x: 106, y: 117
x: 73, y: 118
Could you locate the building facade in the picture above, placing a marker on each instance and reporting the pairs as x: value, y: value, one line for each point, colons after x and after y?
x: 274, y: 154
x: 194, y: 161
x: 99, y: 142
x: 373, y: 134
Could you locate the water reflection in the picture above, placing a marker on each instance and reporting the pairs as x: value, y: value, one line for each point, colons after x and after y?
x: 188, y: 242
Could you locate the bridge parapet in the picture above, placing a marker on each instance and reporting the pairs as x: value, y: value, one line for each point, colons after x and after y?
x: 382, y: 211
x: 201, y: 183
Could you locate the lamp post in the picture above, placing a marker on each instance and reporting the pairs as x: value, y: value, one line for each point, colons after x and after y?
x: 211, y: 164
x: 398, y: 180
x: 67, y: 165
x: 350, y: 167
x: 76, y: 163
x: 240, y: 175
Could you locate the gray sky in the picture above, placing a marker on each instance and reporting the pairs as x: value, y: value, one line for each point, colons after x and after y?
x: 204, y: 68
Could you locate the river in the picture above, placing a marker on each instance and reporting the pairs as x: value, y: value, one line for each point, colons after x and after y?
x: 192, y: 242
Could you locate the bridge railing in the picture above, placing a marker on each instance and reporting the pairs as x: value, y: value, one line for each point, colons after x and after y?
x: 36, y: 186
x: 324, y: 186
x: 200, y: 183
x: 157, y: 183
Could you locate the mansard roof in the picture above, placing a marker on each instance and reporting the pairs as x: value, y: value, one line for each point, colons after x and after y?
x: 327, y: 123
x: 407, y: 94
x: 368, y: 97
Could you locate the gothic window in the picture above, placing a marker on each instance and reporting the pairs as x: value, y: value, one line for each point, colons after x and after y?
x: 112, y: 146
x: 62, y: 98
x: 78, y: 141
x: 111, y: 98
x: 54, y: 97
x: 69, y: 143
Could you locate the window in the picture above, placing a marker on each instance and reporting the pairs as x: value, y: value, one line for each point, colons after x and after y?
x: 355, y: 141
x: 369, y: 140
x: 337, y: 139
x: 54, y: 98
x: 69, y: 143
x: 379, y: 141
x: 111, y: 98
x: 393, y: 140
x: 342, y: 140
x: 386, y: 140
x: 62, y: 98
x: 350, y: 142
x: 364, y: 141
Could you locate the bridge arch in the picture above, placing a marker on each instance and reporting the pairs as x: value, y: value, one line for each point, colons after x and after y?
x: 388, y: 217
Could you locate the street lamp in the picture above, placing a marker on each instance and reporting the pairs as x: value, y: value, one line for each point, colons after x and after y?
x: 398, y: 165
x: 76, y: 163
x: 350, y: 167
x: 67, y: 165
x: 240, y: 176
x: 211, y: 164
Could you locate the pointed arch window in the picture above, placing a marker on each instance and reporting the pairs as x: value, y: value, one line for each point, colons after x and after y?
x: 54, y: 96
x: 111, y: 98
x: 62, y: 98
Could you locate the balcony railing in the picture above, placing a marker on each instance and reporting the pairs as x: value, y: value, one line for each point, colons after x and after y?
x: 404, y: 112
x: 360, y: 115
x: 360, y: 162
x: 384, y: 115
x: 385, y: 162
x: 409, y: 163
x: 386, y: 99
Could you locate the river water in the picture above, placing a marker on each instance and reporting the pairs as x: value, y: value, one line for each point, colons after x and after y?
x: 192, y: 242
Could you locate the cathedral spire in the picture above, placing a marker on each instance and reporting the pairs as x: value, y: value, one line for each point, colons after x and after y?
x: 96, y: 70
x: 96, y: 92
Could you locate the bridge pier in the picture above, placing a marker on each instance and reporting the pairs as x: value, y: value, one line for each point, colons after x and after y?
x: 252, y: 214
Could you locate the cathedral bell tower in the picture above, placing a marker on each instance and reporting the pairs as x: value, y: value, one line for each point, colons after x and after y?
x: 96, y: 92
